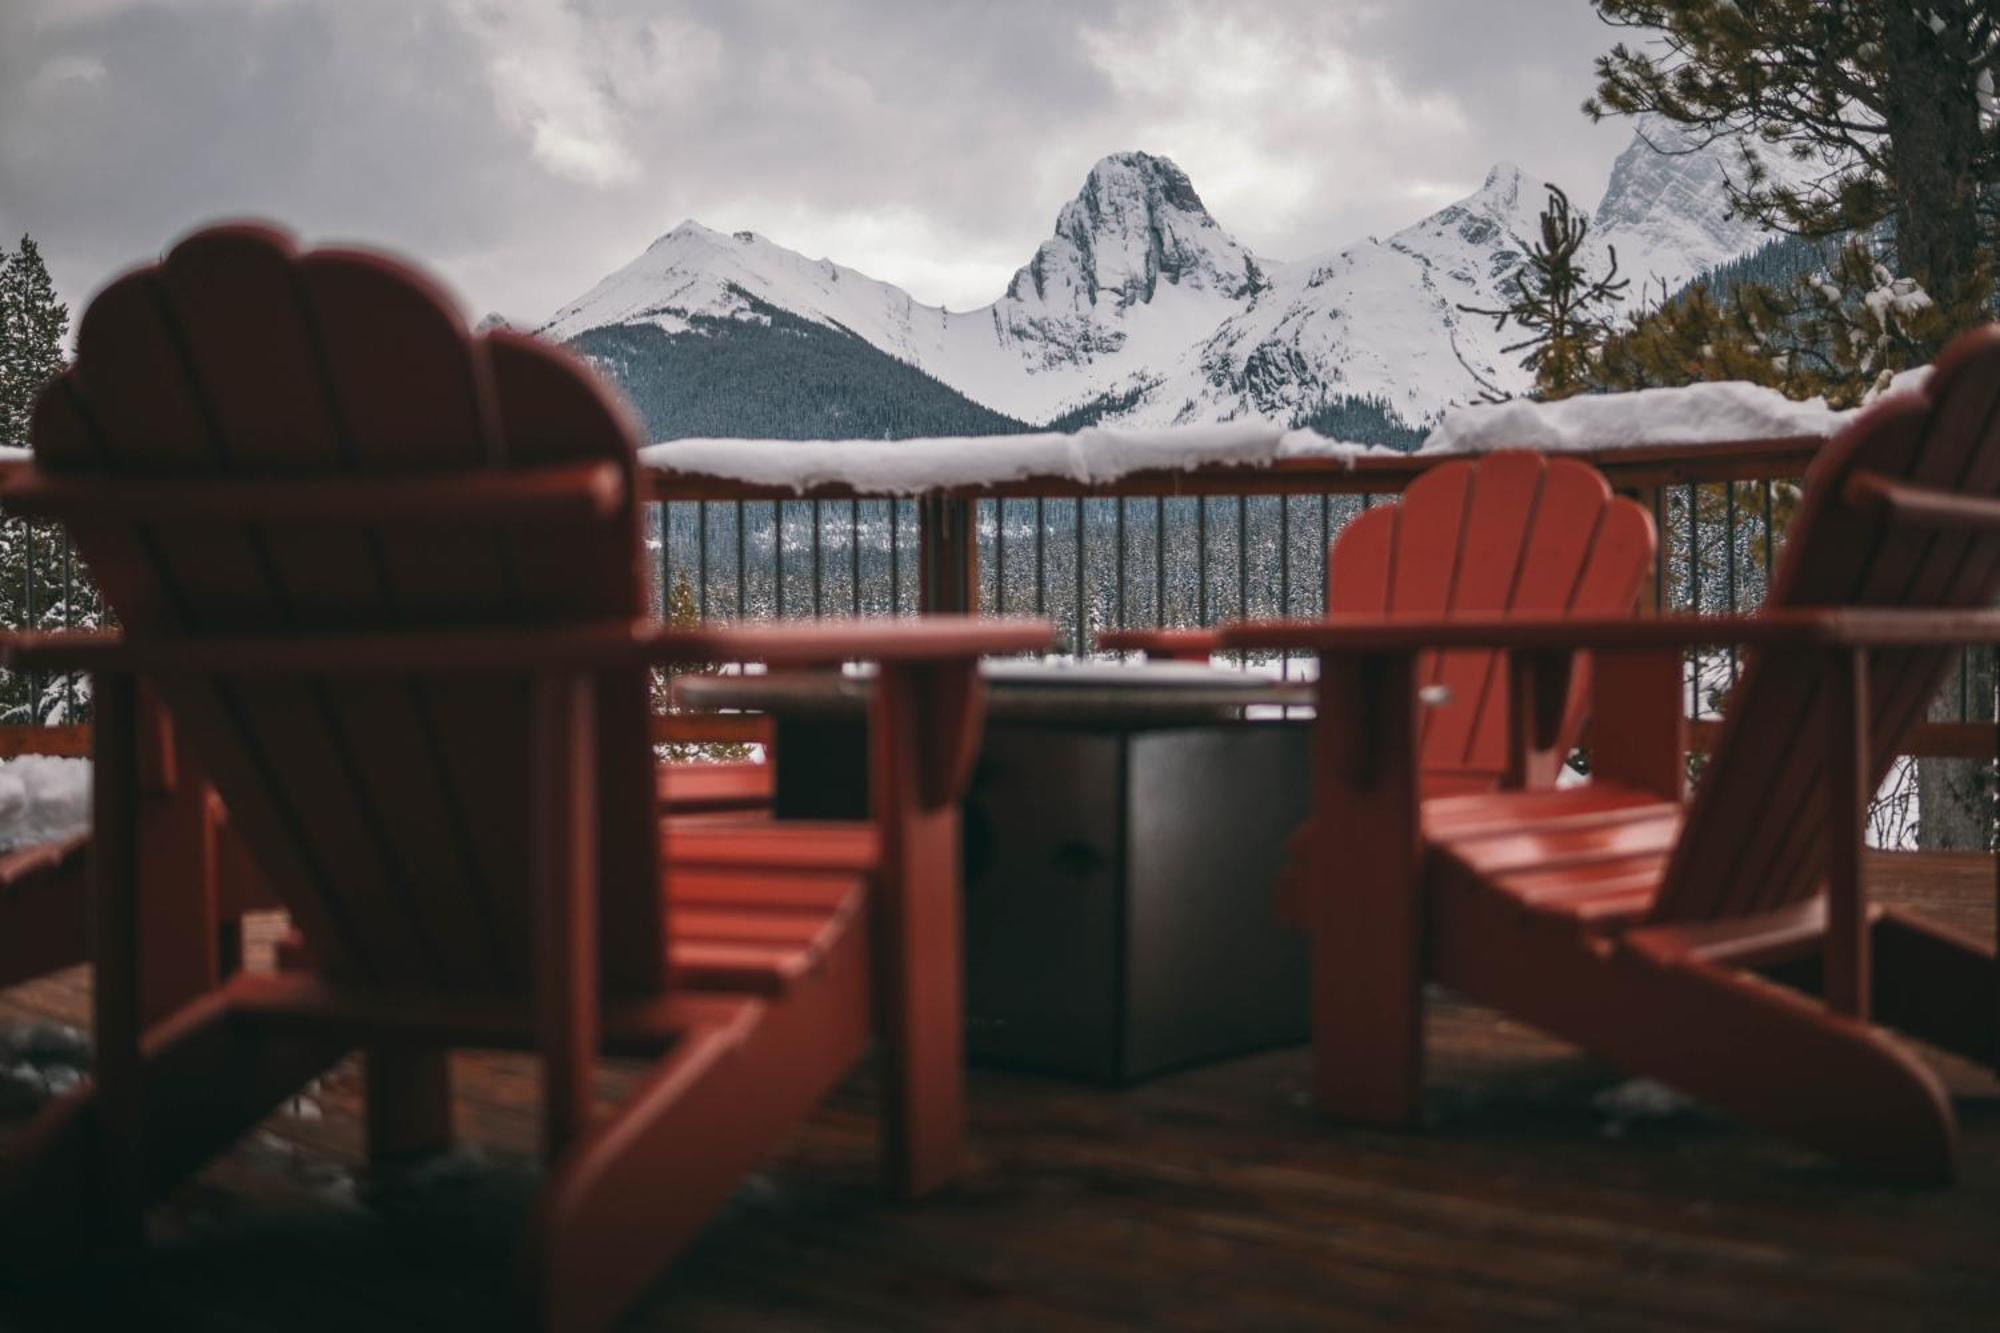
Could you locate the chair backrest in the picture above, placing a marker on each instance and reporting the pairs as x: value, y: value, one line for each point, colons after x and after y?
x: 1510, y: 532
x: 1754, y: 839
x: 390, y: 814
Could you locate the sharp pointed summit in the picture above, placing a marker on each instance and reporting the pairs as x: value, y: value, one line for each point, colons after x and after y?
x: 1136, y: 223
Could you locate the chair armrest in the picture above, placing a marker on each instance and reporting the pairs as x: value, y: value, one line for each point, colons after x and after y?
x: 552, y: 493
x: 581, y: 646
x: 929, y: 638
x: 1173, y: 645
x: 415, y: 652
x: 1800, y: 628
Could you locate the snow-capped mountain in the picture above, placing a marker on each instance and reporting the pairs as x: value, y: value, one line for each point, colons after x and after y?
x: 1135, y: 273
x: 1666, y: 209
x: 1141, y: 308
x: 1379, y: 320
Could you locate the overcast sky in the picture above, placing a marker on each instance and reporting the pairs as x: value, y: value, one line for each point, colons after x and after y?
x: 524, y: 148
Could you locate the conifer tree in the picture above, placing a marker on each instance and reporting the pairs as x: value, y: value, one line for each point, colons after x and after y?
x: 33, y: 324
x: 41, y: 584
x: 1892, y: 105
x: 680, y: 610
x: 1564, y: 311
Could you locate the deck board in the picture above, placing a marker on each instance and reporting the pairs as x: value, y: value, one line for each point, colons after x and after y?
x: 1209, y: 1199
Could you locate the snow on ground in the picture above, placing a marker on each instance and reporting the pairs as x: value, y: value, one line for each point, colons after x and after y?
x: 42, y: 798
x: 1698, y: 414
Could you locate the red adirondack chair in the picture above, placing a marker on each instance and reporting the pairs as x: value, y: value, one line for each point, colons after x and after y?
x: 1509, y: 534
x: 387, y: 578
x: 1620, y: 919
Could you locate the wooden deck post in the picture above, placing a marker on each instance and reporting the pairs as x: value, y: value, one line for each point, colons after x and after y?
x: 948, y: 555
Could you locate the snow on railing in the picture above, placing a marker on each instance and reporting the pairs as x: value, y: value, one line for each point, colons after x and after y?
x: 1700, y: 414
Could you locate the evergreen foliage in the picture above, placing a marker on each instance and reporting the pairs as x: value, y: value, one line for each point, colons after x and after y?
x: 33, y: 324
x: 1779, y: 262
x: 1565, y: 311
x: 682, y: 611
x: 1097, y: 409
x: 1362, y: 419
x: 41, y: 584
x: 778, y: 377
x: 1892, y: 105
x: 1838, y: 332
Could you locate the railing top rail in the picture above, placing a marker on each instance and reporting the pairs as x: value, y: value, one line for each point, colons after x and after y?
x: 1637, y: 466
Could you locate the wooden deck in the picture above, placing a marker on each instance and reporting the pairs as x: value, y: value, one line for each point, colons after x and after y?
x: 1544, y: 1193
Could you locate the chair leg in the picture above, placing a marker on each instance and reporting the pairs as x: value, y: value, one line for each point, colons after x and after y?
x: 1751, y: 1047
x: 208, y: 1076
x: 923, y: 1123
x: 409, y: 1102
x: 1362, y: 903
x: 623, y: 1200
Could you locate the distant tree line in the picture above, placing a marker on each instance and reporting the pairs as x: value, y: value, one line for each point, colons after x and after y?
x: 778, y: 376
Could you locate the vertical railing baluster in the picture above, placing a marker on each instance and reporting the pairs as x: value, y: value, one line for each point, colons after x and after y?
x: 1082, y: 620
x: 1160, y: 561
x: 1729, y: 557
x: 69, y: 622
x: 1201, y: 618
x: 1041, y: 559
x: 1118, y: 577
x: 854, y: 555
x: 1666, y: 540
x: 742, y: 561
x: 1000, y: 556
x: 28, y: 579
x: 896, y: 505
x: 818, y: 557
x: 1243, y: 569
x: 701, y: 561
x: 1284, y: 577
x: 1325, y: 547
x: 778, y: 557
x: 1694, y: 586
x: 1770, y: 538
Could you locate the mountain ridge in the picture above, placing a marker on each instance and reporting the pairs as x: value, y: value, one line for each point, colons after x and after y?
x: 1140, y: 307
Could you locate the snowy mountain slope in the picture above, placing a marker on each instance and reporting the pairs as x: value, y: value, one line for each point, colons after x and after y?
x: 1376, y: 320
x: 1141, y: 308
x: 1135, y: 272
x: 1666, y: 211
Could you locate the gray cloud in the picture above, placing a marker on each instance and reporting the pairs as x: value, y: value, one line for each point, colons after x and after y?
x: 524, y: 147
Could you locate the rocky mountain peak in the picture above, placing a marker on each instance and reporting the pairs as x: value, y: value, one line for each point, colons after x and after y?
x: 1136, y: 223
x: 1668, y: 206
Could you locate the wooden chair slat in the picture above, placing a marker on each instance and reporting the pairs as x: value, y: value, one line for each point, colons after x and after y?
x: 1500, y: 509
x: 1509, y: 531
x: 1762, y: 840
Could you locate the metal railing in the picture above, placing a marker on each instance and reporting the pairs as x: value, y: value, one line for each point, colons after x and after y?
x: 1170, y: 548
